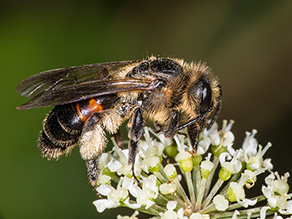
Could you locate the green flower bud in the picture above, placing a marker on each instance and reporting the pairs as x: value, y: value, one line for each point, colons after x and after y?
x: 155, y: 163
x: 197, y: 160
x: 217, y: 150
x: 185, y: 161
x: 206, y: 167
x: 171, y: 150
x: 226, y: 171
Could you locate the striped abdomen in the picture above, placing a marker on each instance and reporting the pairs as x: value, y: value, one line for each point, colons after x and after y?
x: 63, y: 127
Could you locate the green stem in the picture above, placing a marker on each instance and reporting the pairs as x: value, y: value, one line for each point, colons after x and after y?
x: 212, y: 172
x: 201, y: 194
x: 213, y: 192
x: 190, y: 187
x: 181, y: 191
x: 196, y: 179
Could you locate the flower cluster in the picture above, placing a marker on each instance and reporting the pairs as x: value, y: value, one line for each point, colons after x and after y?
x: 174, y: 183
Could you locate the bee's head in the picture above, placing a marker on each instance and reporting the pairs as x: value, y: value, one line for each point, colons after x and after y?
x: 200, y: 95
x: 203, y: 97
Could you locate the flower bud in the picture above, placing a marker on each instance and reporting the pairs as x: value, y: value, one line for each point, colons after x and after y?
x: 185, y: 161
x: 170, y: 171
x: 226, y: 171
x: 206, y: 167
x: 171, y: 150
x: 221, y: 203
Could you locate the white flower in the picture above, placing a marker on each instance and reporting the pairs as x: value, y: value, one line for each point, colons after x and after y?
x: 148, y: 193
x: 167, y: 188
x: 276, y: 192
x: 170, y: 213
x: 250, y: 143
x: 221, y: 204
x: 158, y: 188
x: 235, y: 192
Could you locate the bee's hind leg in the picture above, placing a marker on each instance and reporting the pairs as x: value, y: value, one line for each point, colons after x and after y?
x: 92, y: 143
x: 92, y: 171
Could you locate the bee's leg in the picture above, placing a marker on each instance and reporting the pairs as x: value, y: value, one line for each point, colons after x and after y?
x: 92, y: 143
x: 119, y: 140
x: 92, y: 171
x: 158, y: 127
x: 136, y: 125
x: 173, y: 125
x: 194, y: 131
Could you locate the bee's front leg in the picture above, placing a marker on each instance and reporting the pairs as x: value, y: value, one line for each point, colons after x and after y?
x: 170, y: 131
x: 194, y: 131
x: 136, y: 124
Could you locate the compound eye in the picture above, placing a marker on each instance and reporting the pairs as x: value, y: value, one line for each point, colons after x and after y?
x: 206, y: 98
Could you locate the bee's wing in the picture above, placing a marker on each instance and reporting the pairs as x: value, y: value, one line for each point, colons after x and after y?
x: 77, y: 92
x: 58, y: 78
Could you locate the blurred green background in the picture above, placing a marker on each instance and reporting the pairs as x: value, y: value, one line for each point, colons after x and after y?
x: 248, y: 44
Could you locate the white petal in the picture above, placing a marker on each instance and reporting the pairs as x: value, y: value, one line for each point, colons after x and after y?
x: 267, y: 191
x: 272, y: 201
x: 150, y: 182
x: 131, y: 205
x: 169, y: 215
x: 245, y: 202
x: 149, y: 204
x: 223, y: 157
x: 104, y: 158
x: 135, y: 190
x: 104, y: 189
x: 102, y: 204
x: 127, y: 182
x: 171, y: 205
x: 114, y: 165
x: 196, y: 216
x: 263, y: 212
x: 180, y: 213
x: 229, y: 138
x: 235, y: 214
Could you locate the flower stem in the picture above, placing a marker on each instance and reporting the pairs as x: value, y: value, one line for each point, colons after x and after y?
x: 191, y: 187
x: 213, y: 192
x: 201, y: 194
x: 212, y: 172
x: 196, y: 179
x: 181, y: 191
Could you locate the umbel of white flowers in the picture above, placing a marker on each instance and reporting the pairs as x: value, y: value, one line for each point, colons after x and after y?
x: 215, y: 182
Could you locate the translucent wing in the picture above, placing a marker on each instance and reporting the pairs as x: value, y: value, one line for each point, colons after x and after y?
x: 57, y: 78
x: 86, y: 90
x: 67, y: 85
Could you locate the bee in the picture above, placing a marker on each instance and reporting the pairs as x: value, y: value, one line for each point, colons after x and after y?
x: 90, y: 99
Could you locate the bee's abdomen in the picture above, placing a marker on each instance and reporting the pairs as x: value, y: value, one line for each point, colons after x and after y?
x: 63, y: 127
x: 61, y: 131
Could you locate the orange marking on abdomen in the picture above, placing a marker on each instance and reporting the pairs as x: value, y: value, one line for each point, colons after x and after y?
x: 85, y: 114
